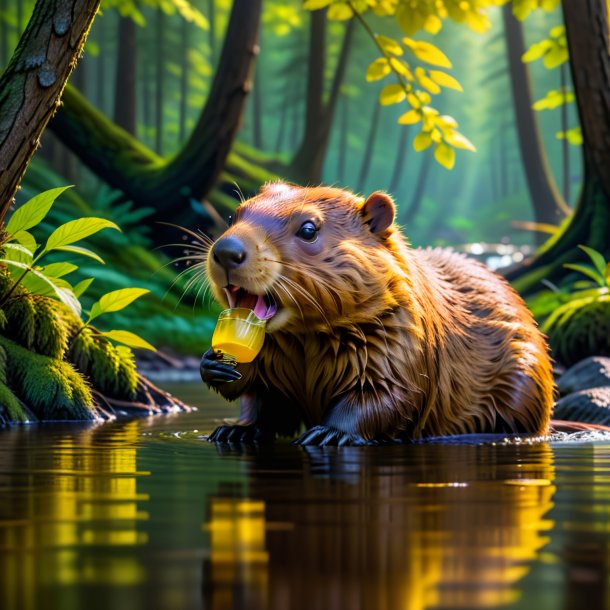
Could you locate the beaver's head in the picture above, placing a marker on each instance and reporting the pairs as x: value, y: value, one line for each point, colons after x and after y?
x: 307, y: 258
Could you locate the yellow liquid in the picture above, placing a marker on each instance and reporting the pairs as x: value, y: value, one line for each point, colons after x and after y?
x: 238, y: 338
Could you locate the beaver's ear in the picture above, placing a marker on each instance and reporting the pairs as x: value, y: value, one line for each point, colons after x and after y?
x: 378, y: 212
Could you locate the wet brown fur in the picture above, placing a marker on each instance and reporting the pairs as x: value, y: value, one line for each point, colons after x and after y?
x: 376, y: 338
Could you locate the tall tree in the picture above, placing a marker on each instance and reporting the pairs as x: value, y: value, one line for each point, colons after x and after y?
x: 586, y: 24
x: 125, y: 82
x: 31, y: 85
x: 173, y: 185
x: 399, y: 162
x: 545, y: 197
x: 367, y: 158
x: 306, y: 165
x: 159, y: 79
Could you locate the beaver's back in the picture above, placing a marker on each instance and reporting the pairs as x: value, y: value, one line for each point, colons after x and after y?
x: 493, y: 362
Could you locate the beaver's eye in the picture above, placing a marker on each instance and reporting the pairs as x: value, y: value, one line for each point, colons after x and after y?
x: 308, y: 231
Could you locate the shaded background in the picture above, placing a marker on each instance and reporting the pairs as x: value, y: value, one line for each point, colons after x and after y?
x: 149, y: 66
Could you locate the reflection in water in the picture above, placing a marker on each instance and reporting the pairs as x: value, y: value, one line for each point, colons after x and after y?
x: 453, y: 527
x: 54, y: 502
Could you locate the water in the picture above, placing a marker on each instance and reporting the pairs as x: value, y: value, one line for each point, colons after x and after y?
x: 145, y: 514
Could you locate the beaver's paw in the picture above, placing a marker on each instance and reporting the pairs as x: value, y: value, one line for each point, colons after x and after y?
x: 215, y: 371
x: 236, y: 434
x: 325, y: 435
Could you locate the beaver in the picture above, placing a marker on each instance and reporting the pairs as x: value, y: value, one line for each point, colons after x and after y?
x: 368, y: 340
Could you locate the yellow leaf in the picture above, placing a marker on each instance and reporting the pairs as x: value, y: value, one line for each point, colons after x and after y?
x: 409, y: 20
x: 444, y: 155
x: 459, y: 140
x: 409, y: 118
x: 389, y: 45
x: 392, y: 94
x: 402, y: 67
x: 422, y: 141
x: 340, y: 12
x: 555, y: 57
x: 445, y: 80
x: 413, y: 100
x: 427, y: 52
x: 536, y: 51
x: 378, y: 69
x: 425, y: 82
x: 433, y: 24
x: 314, y: 5
x: 448, y: 121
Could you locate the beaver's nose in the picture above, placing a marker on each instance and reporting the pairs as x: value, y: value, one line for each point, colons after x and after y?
x: 229, y: 252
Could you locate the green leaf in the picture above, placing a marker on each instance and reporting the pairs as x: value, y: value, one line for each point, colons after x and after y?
x: 444, y: 155
x: 445, y: 80
x: 597, y: 258
x: 32, y: 212
x: 82, y: 286
x: 378, y: 69
x: 115, y: 301
x: 389, y: 45
x: 19, y: 253
x: 25, y: 239
x: 82, y: 251
x: 588, y: 271
x: 130, y: 339
x: 37, y: 283
x: 58, y: 269
x: 75, y: 230
x: 392, y: 94
x: 427, y: 52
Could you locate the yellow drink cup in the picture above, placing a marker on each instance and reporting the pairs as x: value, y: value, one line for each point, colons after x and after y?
x: 239, y: 333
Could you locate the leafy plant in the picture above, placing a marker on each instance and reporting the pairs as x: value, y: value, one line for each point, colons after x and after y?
x: 599, y: 272
x: 23, y: 255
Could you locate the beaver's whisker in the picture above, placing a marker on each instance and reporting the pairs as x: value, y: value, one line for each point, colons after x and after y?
x: 197, y: 237
x: 290, y: 296
x: 188, y: 246
x: 198, y: 277
x: 178, y: 277
x: 300, y: 290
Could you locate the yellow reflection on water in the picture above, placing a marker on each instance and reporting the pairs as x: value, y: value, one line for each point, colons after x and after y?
x: 399, y: 537
x: 78, y: 491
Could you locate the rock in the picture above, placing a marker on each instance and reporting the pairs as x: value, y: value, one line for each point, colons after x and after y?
x: 588, y: 406
x: 591, y: 372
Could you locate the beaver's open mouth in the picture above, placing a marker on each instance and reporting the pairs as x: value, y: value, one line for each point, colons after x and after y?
x: 264, y: 306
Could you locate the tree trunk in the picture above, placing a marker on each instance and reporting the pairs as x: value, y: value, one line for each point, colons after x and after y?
x: 31, y: 86
x: 370, y: 146
x: 344, y: 130
x: 587, y: 33
x: 257, y: 112
x: 306, y: 165
x: 399, y: 163
x: 565, y: 145
x: 125, y: 83
x: 184, y: 78
x: 544, y: 195
x: 212, y: 31
x: 283, y: 117
x: 4, y: 44
x: 159, y: 80
x: 418, y: 194
x: 182, y: 181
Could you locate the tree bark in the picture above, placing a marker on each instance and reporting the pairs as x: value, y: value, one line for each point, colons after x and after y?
x: 159, y: 80
x: 401, y: 156
x: 545, y: 197
x: 587, y: 33
x: 31, y: 86
x: 370, y: 146
x: 125, y: 83
x: 418, y: 194
x: 306, y: 165
x: 184, y: 180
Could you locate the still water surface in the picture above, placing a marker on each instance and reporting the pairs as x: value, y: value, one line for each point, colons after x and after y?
x: 144, y: 514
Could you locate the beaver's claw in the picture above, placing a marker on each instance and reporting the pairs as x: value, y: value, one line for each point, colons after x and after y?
x: 325, y: 435
x: 236, y: 434
x: 216, y: 370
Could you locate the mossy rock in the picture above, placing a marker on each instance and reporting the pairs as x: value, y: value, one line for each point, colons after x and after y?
x: 112, y: 370
x: 579, y: 329
x: 51, y: 388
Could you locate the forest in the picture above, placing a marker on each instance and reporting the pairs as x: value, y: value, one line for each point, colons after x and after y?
x: 487, y: 121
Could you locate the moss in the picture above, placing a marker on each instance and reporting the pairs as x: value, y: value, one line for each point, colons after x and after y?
x: 51, y: 388
x: 579, y: 329
x: 111, y: 370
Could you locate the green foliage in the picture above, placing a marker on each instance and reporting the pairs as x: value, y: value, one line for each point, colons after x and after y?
x: 50, y: 387
x: 184, y: 8
x: 111, y: 369
x: 580, y: 328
